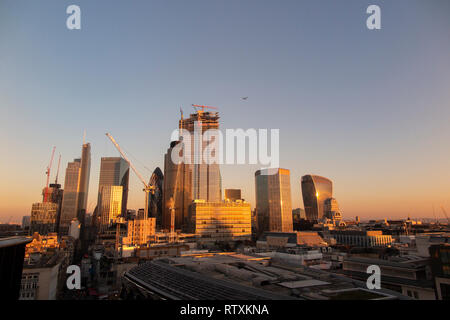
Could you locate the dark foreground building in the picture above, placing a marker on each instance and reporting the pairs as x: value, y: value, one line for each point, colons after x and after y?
x: 12, y: 252
x: 440, y: 266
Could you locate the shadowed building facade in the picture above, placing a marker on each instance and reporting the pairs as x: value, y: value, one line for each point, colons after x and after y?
x: 177, y: 184
x: 155, y: 201
x: 233, y: 194
x: 76, y: 189
x: 315, y: 191
x: 273, y: 200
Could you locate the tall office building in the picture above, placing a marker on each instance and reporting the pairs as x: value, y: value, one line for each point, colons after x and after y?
x: 194, y: 179
x: 273, y: 200
x: 76, y: 188
x: 155, y: 201
x: 206, y: 179
x: 177, y: 184
x: 315, y: 191
x: 84, y: 182
x: 109, y: 206
x: 115, y: 171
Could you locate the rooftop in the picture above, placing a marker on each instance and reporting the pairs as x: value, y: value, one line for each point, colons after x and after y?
x: 227, y: 275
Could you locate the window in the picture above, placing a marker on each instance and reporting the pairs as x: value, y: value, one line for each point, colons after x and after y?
x: 409, y: 293
x: 416, y: 295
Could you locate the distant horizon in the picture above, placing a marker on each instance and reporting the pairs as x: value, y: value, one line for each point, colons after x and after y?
x: 367, y: 109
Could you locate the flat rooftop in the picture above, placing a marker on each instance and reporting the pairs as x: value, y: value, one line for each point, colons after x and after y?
x: 225, y: 276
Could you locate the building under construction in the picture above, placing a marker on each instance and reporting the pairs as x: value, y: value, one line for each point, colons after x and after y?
x: 191, y: 179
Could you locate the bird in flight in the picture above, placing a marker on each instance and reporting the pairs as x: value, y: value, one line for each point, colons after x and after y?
x: 244, y: 98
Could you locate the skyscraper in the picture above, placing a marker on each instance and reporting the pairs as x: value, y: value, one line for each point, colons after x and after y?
x: 315, y: 191
x: 84, y: 182
x: 206, y: 180
x: 273, y: 200
x: 110, y: 205
x: 155, y: 201
x: 177, y: 184
x: 191, y: 179
x: 76, y: 188
x: 115, y: 171
x: 70, y: 198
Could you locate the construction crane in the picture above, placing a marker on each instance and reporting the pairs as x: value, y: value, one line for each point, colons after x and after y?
x: 445, y: 213
x: 196, y: 106
x: 147, y: 188
x: 48, y: 175
x: 172, y: 220
x: 57, y: 172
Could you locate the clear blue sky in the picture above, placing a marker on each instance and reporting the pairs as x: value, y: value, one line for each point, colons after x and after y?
x: 368, y: 109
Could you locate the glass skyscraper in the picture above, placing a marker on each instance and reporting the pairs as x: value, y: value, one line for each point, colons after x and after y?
x: 76, y: 188
x: 273, y: 200
x: 189, y: 180
x: 115, y: 171
x: 315, y: 190
x: 110, y: 205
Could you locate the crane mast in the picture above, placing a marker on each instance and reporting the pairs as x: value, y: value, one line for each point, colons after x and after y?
x: 445, y: 213
x: 57, y: 172
x: 48, y: 175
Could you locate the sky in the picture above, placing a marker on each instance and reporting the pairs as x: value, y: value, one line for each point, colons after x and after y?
x: 368, y: 109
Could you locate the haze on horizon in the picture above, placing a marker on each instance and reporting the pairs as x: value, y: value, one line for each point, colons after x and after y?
x: 369, y: 110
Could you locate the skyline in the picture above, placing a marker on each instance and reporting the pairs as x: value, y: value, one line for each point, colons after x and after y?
x: 368, y: 110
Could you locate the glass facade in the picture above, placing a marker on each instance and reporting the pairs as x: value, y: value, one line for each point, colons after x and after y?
x: 110, y: 205
x: 70, y: 197
x: 194, y: 179
x: 76, y: 189
x: 273, y: 201
x: 315, y: 191
x: 221, y: 221
x: 155, y: 198
x: 115, y: 171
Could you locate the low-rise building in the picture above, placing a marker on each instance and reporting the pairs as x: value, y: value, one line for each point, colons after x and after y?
x: 273, y: 240
x: 40, y: 276
x: 359, y: 238
x: 409, y: 277
x: 140, y: 231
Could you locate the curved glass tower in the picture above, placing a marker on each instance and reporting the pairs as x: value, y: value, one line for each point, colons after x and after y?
x: 155, y: 198
x: 315, y: 190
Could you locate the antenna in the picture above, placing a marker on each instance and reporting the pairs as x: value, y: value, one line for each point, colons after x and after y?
x: 84, y: 136
x: 181, y: 123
